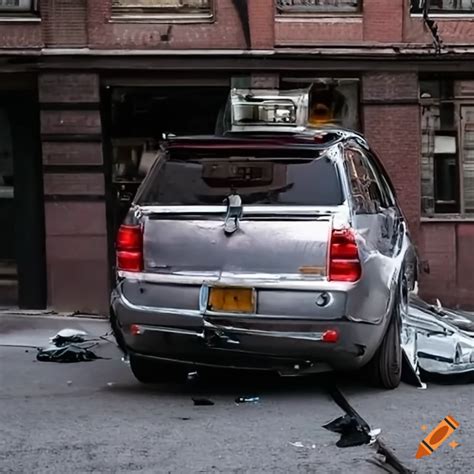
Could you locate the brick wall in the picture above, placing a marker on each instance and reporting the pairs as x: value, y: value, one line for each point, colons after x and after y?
x: 225, y: 32
x: 447, y: 248
x: 80, y: 23
x: 64, y: 22
x: 261, y: 20
x: 74, y: 189
x: 20, y: 35
x: 392, y: 125
x: 383, y: 20
x: 451, y: 30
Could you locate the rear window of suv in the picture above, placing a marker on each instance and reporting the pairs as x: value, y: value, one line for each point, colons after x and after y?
x: 268, y: 179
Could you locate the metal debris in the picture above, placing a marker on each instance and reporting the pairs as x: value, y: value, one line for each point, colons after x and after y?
x: 436, y: 341
x: 355, y: 431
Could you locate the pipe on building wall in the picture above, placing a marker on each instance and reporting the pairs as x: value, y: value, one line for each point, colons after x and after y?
x: 243, y: 12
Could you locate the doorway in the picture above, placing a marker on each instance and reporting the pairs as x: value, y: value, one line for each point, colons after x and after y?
x: 22, y: 254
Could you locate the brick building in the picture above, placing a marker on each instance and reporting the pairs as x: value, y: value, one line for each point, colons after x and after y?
x: 88, y: 86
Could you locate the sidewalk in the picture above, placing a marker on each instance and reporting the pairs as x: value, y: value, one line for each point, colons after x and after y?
x: 21, y: 330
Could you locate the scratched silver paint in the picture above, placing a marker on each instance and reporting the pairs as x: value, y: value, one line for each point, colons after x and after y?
x: 186, y: 256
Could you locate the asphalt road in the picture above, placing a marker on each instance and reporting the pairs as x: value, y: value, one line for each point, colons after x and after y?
x: 94, y: 417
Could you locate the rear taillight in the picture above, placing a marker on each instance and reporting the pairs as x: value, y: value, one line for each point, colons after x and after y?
x: 344, y: 263
x: 130, y: 248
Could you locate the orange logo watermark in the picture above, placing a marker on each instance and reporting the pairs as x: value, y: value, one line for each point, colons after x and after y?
x: 437, y: 437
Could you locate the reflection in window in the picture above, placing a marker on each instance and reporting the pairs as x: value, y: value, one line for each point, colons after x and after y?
x: 444, y: 6
x: 279, y: 181
x: 366, y: 193
x: 447, y: 162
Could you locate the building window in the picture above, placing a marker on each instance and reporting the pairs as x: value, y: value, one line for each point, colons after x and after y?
x: 318, y: 6
x: 163, y: 8
x: 447, y: 166
x: 15, y: 8
x: 444, y: 6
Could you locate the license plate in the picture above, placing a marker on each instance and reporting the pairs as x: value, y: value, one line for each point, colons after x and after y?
x: 232, y: 300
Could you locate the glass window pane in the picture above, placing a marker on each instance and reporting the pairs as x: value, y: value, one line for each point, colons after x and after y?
x: 318, y: 6
x: 264, y: 180
x: 468, y: 158
x: 446, y: 184
x: 444, y: 6
x: 16, y: 6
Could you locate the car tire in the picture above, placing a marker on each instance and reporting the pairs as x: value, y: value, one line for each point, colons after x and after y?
x: 153, y: 372
x: 385, y: 368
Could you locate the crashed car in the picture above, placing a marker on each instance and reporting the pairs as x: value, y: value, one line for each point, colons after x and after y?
x: 284, y: 252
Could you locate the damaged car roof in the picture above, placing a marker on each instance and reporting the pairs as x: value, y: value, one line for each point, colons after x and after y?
x: 317, y: 139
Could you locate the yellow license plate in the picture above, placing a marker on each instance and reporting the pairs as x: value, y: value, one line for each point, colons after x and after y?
x: 232, y: 300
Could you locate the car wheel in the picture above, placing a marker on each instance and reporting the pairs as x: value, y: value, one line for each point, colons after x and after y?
x: 385, y: 369
x: 151, y: 372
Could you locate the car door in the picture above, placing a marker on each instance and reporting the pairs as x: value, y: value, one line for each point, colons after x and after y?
x: 375, y: 213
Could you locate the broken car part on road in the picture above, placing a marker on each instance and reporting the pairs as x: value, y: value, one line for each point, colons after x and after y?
x: 438, y: 341
x: 70, y: 345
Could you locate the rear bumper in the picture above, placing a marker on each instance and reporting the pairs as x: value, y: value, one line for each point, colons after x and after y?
x: 287, y: 345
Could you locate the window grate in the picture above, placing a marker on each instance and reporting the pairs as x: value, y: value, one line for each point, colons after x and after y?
x: 318, y: 6
x: 162, y: 6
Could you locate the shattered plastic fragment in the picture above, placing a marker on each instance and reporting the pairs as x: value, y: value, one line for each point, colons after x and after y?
x: 66, y: 354
x: 351, y: 431
x: 202, y: 402
x: 192, y: 376
x: 297, y: 444
x: 240, y: 400
x: 68, y: 336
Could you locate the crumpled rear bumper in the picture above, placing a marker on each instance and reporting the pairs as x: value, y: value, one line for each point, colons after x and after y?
x: 288, y: 346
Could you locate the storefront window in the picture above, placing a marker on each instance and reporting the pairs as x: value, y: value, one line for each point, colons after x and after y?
x: 444, y: 6
x: 318, y: 6
x: 447, y: 163
x: 163, y: 7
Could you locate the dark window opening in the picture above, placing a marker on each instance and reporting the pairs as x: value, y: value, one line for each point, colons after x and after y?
x: 269, y: 179
x: 446, y: 184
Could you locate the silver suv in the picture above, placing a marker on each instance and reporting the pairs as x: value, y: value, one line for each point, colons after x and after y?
x: 284, y: 252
